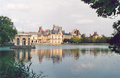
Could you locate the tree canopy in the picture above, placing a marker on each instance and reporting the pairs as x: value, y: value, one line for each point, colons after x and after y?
x: 105, y: 8
x: 116, y: 26
x: 7, y: 30
x: 87, y: 40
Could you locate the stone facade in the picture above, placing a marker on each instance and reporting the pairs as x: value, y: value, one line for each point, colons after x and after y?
x: 34, y: 39
x: 22, y: 40
x: 52, y: 37
x: 56, y: 39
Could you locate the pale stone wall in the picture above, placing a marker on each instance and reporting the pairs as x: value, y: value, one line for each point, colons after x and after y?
x: 50, y: 39
x: 34, y: 39
x: 67, y: 37
x: 56, y: 39
x: 53, y: 39
x: 21, y: 37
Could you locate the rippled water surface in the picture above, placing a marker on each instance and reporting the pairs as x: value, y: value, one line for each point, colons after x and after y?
x: 71, y: 61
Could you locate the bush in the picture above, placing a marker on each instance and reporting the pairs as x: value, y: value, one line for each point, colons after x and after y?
x: 17, y: 70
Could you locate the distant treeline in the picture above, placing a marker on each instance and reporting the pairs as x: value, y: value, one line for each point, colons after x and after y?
x: 87, y: 40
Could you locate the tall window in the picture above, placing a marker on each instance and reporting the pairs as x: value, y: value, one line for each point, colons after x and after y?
x: 18, y: 41
x: 28, y: 41
x: 24, y: 41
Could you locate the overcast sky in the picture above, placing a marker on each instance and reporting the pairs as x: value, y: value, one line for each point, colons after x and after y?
x: 28, y: 15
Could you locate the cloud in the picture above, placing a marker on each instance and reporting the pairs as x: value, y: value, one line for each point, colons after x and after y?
x: 15, y: 20
x: 84, y: 21
x: 19, y: 29
x: 76, y: 16
x: 80, y: 67
x: 17, y: 7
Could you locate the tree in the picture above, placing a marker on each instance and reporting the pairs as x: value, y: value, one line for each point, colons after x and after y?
x: 108, y: 9
x: 66, y: 40
x: 116, y: 26
x: 76, y: 39
x: 7, y: 31
x: 84, y: 40
x: 116, y: 39
x: 105, y: 8
x: 98, y: 40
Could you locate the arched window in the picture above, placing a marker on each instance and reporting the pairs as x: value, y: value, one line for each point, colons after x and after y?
x: 18, y: 41
x: 24, y: 41
x: 28, y: 41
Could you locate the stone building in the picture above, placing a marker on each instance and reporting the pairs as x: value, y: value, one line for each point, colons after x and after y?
x: 95, y: 35
x: 76, y: 33
x: 22, y: 40
x: 34, y: 39
x: 53, y: 36
x: 56, y: 39
x: 67, y: 36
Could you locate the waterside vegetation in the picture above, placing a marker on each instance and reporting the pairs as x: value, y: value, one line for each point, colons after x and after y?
x: 87, y: 40
x: 9, y: 68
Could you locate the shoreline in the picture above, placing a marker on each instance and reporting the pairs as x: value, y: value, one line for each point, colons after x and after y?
x: 69, y: 44
x: 86, y: 43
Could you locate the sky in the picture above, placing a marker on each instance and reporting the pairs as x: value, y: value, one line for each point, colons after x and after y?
x: 29, y: 15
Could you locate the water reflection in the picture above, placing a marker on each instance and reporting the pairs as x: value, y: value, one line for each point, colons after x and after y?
x: 56, y: 55
x: 71, y: 62
x: 23, y: 54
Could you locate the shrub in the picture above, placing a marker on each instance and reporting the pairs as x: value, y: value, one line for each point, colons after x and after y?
x: 17, y: 70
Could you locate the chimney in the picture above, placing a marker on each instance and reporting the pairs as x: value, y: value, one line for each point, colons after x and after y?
x: 102, y: 35
x: 63, y: 31
x: 40, y: 29
x: 76, y: 31
x: 53, y: 27
x: 61, y: 28
x: 90, y: 35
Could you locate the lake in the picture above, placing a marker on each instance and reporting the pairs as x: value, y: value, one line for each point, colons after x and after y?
x: 70, y: 61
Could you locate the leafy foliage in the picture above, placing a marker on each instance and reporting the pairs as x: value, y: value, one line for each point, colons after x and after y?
x: 115, y: 40
x: 116, y: 26
x: 105, y: 8
x: 88, y: 40
x: 9, y: 68
x: 17, y: 70
x: 7, y: 32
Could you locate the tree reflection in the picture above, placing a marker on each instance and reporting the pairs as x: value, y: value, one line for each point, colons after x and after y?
x: 6, y: 57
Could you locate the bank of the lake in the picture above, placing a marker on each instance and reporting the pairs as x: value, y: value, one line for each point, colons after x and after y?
x: 86, y: 43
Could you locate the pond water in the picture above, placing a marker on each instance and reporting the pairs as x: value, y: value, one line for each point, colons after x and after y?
x: 71, y: 61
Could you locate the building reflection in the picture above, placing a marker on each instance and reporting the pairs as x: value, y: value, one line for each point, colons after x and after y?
x: 57, y: 55
x: 50, y: 54
x: 23, y: 54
